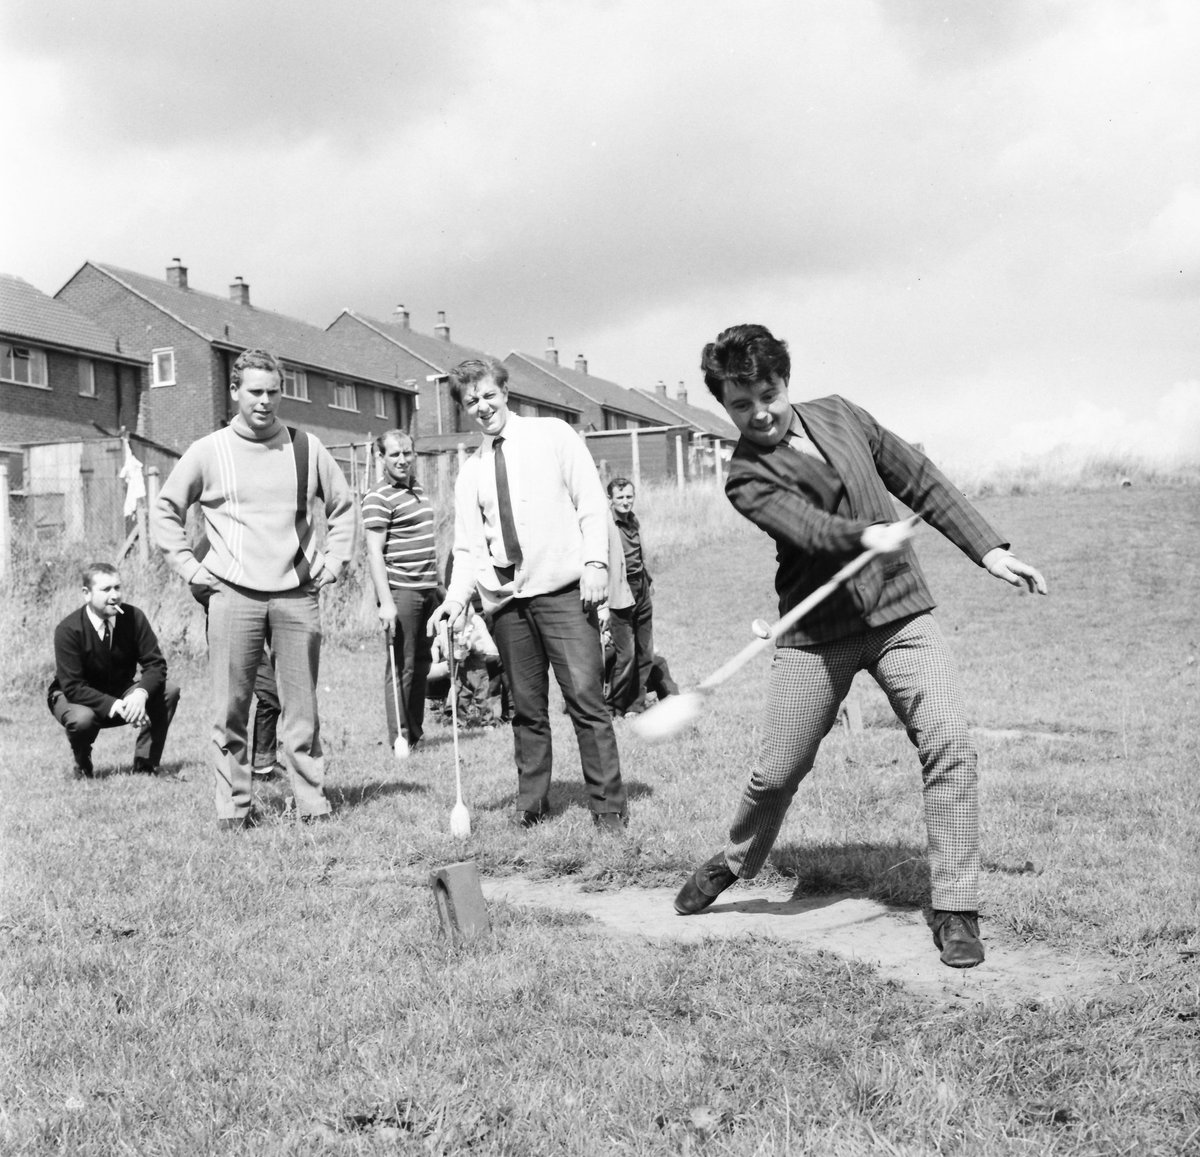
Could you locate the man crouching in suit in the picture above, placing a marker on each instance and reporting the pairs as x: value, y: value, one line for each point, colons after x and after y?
x: 819, y: 478
x: 98, y: 651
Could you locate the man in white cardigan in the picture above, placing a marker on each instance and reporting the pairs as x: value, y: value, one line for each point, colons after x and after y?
x: 531, y: 535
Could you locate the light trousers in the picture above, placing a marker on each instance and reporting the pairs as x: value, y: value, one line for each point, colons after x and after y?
x: 240, y: 622
x: 909, y: 660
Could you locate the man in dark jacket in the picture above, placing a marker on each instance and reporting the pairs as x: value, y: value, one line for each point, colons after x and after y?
x: 109, y: 671
x: 819, y: 478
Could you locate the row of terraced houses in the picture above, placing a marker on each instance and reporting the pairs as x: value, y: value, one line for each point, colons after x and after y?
x: 118, y: 359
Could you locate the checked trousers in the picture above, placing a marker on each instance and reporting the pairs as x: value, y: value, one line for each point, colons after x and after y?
x: 909, y: 660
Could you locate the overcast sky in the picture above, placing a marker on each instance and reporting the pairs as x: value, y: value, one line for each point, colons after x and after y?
x: 981, y: 220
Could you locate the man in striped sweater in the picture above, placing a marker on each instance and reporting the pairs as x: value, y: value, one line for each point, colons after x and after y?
x: 402, y: 559
x: 819, y: 478
x: 257, y: 481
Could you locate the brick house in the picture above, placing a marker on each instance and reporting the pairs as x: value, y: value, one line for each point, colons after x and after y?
x: 441, y: 423
x: 343, y: 392
x: 606, y: 405
x: 62, y: 376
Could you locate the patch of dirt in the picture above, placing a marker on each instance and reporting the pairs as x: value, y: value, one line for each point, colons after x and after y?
x: 897, y: 942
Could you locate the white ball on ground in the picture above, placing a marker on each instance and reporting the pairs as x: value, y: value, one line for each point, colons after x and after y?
x: 669, y: 717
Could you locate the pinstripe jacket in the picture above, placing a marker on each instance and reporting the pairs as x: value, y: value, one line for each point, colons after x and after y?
x: 816, y: 514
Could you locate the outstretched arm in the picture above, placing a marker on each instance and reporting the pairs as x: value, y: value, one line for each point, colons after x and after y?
x: 1005, y: 565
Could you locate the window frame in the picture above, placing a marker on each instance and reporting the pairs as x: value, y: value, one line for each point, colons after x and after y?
x: 31, y: 356
x: 300, y: 379
x: 349, y: 387
x: 87, y: 380
x: 155, y: 380
x: 381, y: 404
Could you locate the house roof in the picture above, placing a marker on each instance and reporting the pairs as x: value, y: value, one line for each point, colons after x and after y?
x: 230, y: 324
x: 706, y: 421
x: 440, y: 355
x: 28, y: 314
x: 605, y: 394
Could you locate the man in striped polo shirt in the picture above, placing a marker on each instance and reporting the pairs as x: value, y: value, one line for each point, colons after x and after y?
x: 260, y: 565
x: 402, y: 559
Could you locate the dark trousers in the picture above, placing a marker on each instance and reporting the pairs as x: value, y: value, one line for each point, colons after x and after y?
x: 412, y: 649
x: 83, y: 725
x: 633, y: 642
x: 533, y: 635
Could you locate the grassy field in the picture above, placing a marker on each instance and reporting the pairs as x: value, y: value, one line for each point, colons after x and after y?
x: 172, y: 989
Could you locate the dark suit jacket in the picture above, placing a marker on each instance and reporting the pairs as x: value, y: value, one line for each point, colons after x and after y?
x: 816, y: 514
x: 88, y: 673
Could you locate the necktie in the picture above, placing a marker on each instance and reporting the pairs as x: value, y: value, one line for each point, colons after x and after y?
x: 108, y: 633
x: 508, y: 527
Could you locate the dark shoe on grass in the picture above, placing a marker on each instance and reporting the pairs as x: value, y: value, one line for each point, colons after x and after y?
x: 704, y: 886
x: 236, y: 823
x: 957, y: 935
x: 524, y: 819
x: 318, y: 818
x: 81, y: 771
x: 610, y: 823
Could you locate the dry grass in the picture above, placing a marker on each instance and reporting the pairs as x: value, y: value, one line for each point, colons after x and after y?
x: 169, y: 989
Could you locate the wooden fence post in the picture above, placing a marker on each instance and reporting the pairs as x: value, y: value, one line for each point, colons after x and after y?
x: 5, y: 527
x: 680, y: 475
x: 635, y: 458
x: 718, y: 464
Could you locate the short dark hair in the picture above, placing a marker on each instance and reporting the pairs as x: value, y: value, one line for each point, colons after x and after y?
x: 93, y: 569
x: 254, y: 360
x: 616, y: 484
x: 744, y: 354
x: 474, y: 370
x: 379, y: 442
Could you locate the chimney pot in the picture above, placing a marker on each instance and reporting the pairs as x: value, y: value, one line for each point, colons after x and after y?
x: 660, y: 389
x: 442, y: 330
x: 580, y: 364
x: 551, y: 352
x: 401, y: 316
x: 177, y: 274
x: 239, y: 291
x: 681, y: 394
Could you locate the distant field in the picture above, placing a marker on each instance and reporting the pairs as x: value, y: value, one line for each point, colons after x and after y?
x: 172, y: 989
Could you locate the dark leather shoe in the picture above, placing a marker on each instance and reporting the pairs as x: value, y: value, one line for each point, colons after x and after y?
x: 611, y: 823
x: 251, y: 819
x: 704, y: 886
x: 81, y: 771
x: 525, y: 819
x: 957, y: 935
x: 144, y: 767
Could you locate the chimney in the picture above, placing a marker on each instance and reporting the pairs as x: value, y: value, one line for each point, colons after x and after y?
x: 239, y: 291
x: 177, y: 274
x: 400, y: 316
x: 660, y: 390
x: 681, y: 393
x: 580, y: 364
x: 442, y: 330
x: 551, y: 352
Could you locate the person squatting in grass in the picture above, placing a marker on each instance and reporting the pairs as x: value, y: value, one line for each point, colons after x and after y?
x: 531, y: 535
x: 257, y: 481
x: 109, y: 671
x: 402, y: 560
x: 630, y: 619
x: 819, y: 478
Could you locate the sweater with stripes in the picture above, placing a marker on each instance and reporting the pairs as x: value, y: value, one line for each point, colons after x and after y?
x: 257, y: 494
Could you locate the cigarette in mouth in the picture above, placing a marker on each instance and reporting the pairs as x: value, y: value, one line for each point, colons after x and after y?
x: 117, y: 608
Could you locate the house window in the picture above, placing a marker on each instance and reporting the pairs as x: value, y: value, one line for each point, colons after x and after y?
x: 295, y: 384
x: 25, y: 366
x: 87, y: 378
x: 344, y: 396
x: 162, y: 368
x: 381, y: 404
